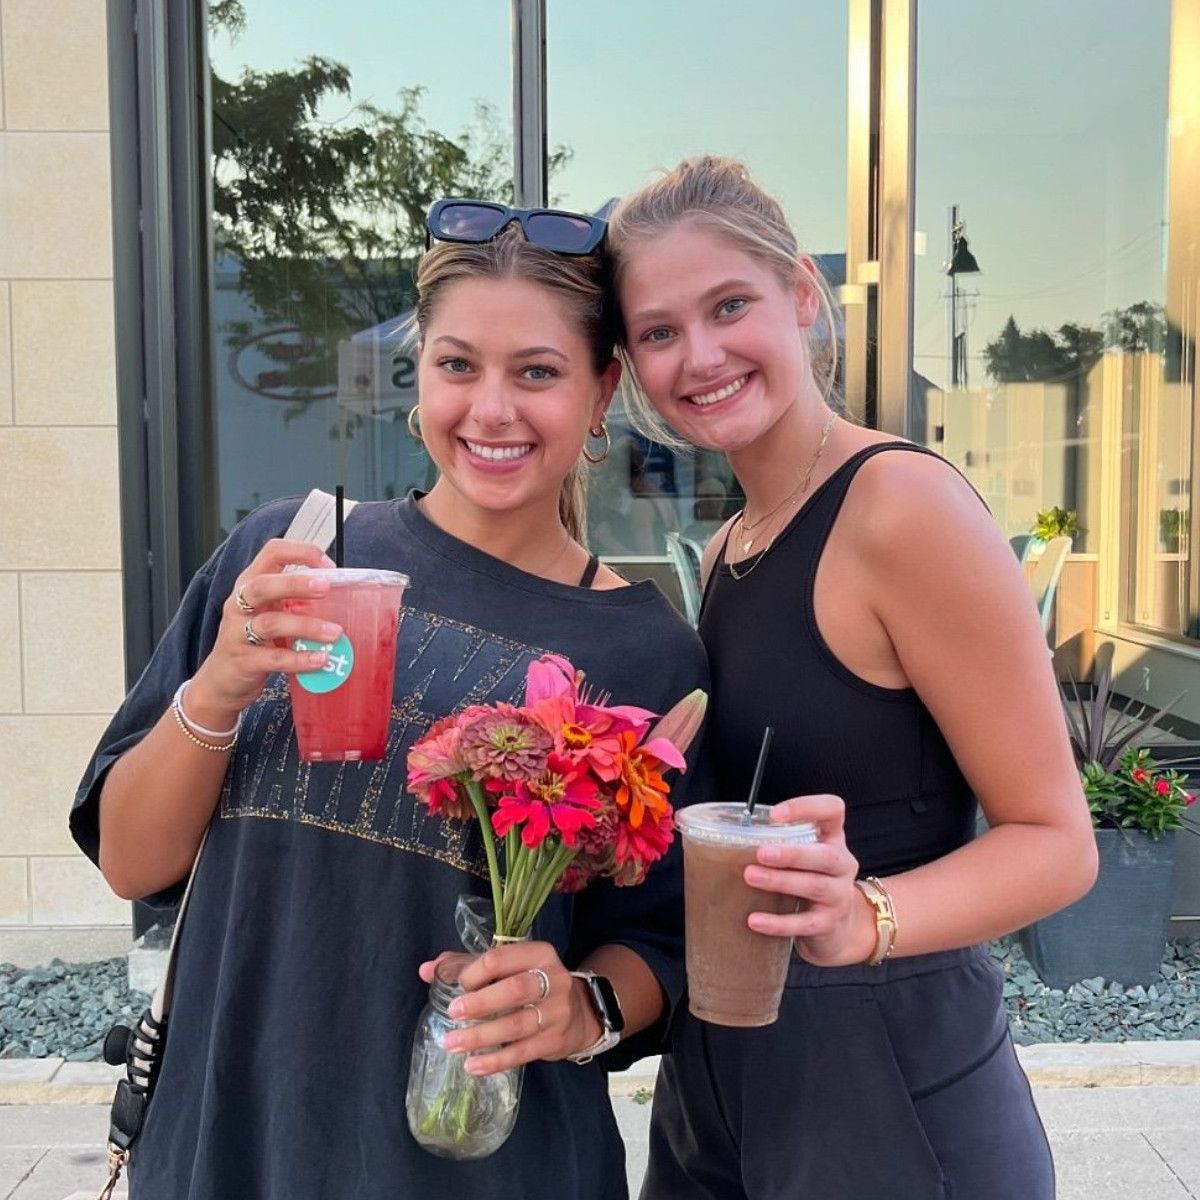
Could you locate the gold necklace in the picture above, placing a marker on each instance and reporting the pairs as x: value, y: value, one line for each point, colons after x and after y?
x: 800, y: 490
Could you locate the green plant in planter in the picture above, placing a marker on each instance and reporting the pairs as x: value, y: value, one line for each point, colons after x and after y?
x: 1055, y: 522
x: 1139, y: 794
x: 1172, y: 524
x: 1118, y: 930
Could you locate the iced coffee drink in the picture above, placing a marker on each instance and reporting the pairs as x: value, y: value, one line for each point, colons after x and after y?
x: 735, y: 975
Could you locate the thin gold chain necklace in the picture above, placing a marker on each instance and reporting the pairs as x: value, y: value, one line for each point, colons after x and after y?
x: 798, y: 491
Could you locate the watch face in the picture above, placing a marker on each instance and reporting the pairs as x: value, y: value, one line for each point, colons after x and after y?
x: 606, y: 995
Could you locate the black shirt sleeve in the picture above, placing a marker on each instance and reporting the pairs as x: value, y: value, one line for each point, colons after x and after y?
x: 184, y: 646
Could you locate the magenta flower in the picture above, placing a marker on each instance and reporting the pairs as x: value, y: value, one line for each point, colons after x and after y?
x: 561, y: 799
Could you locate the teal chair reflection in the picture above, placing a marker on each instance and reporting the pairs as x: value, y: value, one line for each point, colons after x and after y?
x: 1044, y: 581
x: 1022, y: 546
x: 685, y: 558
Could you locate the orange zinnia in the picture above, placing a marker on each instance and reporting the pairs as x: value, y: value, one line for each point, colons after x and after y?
x: 640, y: 783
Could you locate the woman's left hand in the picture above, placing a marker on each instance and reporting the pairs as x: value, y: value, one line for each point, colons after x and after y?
x: 835, y: 924
x: 529, y: 1007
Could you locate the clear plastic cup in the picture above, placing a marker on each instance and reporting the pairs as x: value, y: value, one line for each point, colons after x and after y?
x: 341, y: 711
x: 735, y: 974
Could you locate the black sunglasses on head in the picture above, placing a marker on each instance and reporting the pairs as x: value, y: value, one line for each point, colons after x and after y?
x: 481, y: 221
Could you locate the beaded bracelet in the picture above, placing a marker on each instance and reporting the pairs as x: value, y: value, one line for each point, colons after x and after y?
x: 190, y: 729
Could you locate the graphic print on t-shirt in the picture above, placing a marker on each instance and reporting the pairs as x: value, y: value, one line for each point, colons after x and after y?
x: 441, y: 666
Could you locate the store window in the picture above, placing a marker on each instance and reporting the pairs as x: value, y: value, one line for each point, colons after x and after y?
x: 334, y: 128
x: 768, y: 88
x: 1043, y: 332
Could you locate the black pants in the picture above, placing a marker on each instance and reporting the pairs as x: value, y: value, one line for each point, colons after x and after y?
x: 897, y: 1082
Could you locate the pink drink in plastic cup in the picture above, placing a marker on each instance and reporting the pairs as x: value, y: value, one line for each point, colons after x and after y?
x: 341, y: 711
x: 735, y: 974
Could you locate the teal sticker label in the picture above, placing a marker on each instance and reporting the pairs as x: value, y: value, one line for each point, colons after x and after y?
x: 337, y: 668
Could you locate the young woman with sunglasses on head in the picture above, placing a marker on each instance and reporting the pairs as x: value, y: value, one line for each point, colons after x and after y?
x: 866, y: 606
x: 324, y: 894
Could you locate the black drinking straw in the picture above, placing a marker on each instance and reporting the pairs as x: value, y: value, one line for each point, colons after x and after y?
x: 756, y: 782
x: 339, y: 517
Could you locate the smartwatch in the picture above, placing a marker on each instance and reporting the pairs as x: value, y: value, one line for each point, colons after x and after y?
x: 608, y: 1010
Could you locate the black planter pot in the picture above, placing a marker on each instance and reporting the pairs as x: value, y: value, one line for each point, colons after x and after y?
x: 1119, y: 929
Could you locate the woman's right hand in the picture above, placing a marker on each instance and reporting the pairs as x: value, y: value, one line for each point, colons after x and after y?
x: 232, y: 676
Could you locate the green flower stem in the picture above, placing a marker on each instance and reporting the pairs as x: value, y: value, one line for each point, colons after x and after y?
x: 515, y: 864
x: 479, y: 804
x: 541, y: 883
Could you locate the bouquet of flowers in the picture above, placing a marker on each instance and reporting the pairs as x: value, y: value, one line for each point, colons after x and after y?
x: 567, y: 788
x: 573, y: 786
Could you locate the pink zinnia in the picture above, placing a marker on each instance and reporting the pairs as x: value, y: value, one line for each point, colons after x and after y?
x: 433, y: 762
x: 503, y: 743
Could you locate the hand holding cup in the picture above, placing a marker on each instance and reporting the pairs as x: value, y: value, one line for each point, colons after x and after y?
x: 255, y: 633
x: 833, y: 924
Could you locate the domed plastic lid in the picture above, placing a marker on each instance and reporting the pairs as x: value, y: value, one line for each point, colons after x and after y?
x: 355, y: 576
x: 730, y: 825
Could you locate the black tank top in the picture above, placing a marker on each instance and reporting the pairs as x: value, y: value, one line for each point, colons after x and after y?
x: 878, y: 748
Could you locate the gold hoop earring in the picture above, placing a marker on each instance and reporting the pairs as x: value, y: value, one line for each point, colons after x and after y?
x: 414, y: 424
x: 602, y: 432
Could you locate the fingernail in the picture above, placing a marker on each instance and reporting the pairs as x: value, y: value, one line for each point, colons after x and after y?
x: 318, y: 585
x: 317, y: 658
x: 330, y: 631
x: 326, y: 561
x: 755, y: 876
x: 456, y: 1008
x: 769, y: 853
x: 475, y: 1068
x: 450, y: 1041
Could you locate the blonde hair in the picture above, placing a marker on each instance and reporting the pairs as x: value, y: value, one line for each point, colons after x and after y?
x: 717, y: 193
x: 578, y: 280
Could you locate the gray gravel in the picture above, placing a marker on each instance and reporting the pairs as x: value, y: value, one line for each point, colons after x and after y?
x: 64, y: 1010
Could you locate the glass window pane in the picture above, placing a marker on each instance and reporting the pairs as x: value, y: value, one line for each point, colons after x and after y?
x: 334, y: 127
x: 769, y: 88
x: 1044, y: 163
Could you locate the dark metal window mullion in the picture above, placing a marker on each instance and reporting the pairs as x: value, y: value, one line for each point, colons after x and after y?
x: 529, y: 103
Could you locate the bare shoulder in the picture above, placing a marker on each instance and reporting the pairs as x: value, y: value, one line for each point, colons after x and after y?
x: 904, y: 499
x: 607, y: 579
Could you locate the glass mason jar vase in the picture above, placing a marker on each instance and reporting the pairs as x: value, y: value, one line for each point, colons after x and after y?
x: 450, y: 1113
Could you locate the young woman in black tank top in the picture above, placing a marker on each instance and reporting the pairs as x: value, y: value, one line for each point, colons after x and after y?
x: 865, y: 605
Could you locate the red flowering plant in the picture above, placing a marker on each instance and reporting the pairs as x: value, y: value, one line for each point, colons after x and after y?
x: 1124, y: 786
x: 1137, y: 794
x: 567, y: 787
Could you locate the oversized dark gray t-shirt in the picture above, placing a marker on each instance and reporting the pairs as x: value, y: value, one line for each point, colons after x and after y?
x: 323, y: 886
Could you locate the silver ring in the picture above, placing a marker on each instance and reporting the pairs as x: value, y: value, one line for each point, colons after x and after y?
x: 239, y: 598
x: 537, y: 1012
x: 543, y: 982
x: 251, y: 636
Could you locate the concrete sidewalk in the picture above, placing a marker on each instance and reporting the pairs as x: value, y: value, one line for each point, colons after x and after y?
x: 1121, y: 1119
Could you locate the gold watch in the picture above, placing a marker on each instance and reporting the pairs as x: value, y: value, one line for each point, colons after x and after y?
x: 885, y: 918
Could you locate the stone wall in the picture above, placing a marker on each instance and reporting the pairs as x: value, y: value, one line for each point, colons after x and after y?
x: 61, y: 669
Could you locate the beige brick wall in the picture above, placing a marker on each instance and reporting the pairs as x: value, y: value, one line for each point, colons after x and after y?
x: 59, y: 516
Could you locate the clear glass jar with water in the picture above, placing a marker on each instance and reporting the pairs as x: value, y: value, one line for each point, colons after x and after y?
x: 453, y: 1114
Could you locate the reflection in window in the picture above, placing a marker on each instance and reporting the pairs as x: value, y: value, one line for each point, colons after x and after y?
x: 734, y: 92
x: 1045, y: 376
x: 327, y: 151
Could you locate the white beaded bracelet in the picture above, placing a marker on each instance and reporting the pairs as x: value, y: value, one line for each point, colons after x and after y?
x: 177, y: 704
